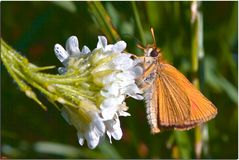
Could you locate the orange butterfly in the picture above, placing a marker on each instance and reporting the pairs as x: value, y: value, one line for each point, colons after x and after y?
x: 172, y: 102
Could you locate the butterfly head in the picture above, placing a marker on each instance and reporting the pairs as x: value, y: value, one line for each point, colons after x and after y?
x: 151, y: 50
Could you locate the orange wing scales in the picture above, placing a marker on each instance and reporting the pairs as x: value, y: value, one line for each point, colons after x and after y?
x: 174, y: 103
x: 181, y: 105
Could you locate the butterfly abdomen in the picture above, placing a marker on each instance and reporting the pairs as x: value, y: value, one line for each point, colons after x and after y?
x: 151, y: 111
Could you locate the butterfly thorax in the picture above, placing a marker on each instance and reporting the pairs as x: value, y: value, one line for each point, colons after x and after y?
x: 151, y: 65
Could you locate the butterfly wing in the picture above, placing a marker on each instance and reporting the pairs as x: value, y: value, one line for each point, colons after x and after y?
x: 181, y: 105
x: 174, y: 104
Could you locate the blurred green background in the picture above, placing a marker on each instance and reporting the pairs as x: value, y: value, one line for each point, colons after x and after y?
x: 33, y: 28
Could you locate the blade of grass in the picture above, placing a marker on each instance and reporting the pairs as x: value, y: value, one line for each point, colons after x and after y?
x: 109, y: 150
x: 138, y: 23
x: 103, y: 20
x: 152, y: 8
x: 201, y: 132
x: 183, y: 143
x: 67, y: 5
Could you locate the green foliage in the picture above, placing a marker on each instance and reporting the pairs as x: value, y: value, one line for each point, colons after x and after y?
x: 32, y: 28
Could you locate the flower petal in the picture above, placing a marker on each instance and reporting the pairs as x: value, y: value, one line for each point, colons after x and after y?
x: 99, y: 126
x: 113, y: 128
x: 112, y: 101
x: 102, y: 42
x: 85, y: 50
x: 122, y: 110
x: 65, y: 116
x: 108, y: 48
x: 109, y: 79
x: 119, y: 46
x: 123, y: 62
x: 109, y: 135
x: 132, y: 90
x: 80, y: 139
x: 137, y: 71
x: 125, y: 114
x: 108, y: 113
x: 92, y: 139
x: 125, y: 79
x: 117, y: 132
x: 61, y: 53
x: 111, y: 90
x: 62, y: 70
x: 110, y: 106
x: 72, y: 46
x: 137, y: 62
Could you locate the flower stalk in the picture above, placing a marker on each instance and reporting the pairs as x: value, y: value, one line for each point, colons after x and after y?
x: 201, y: 132
x: 27, y: 75
x: 138, y: 22
x: 102, y: 18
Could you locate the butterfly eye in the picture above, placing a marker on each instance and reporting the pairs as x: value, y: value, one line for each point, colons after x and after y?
x: 154, y: 53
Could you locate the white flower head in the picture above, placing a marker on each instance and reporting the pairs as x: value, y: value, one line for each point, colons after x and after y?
x: 109, y: 76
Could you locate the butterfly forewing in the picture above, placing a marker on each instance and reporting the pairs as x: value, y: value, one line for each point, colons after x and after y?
x: 201, y: 108
x: 174, y: 105
x: 181, y: 105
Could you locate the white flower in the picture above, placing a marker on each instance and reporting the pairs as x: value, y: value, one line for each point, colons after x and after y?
x: 91, y: 131
x: 110, y: 76
x: 113, y: 125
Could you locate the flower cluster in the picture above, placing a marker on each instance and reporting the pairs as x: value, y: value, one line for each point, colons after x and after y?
x: 107, y: 77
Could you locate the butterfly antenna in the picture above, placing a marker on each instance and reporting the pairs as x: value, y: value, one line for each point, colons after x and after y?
x: 152, y: 32
x: 140, y: 47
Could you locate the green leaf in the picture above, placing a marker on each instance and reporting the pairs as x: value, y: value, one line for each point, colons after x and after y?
x: 102, y: 18
x: 109, y: 150
x: 67, y: 5
x: 217, y: 81
x: 65, y: 150
x: 184, y: 145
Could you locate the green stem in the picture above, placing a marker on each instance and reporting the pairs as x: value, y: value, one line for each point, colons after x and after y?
x: 42, y: 68
x: 138, y: 23
x: 103, y: 20
x: 77, y: 93
x: 197, y: 65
